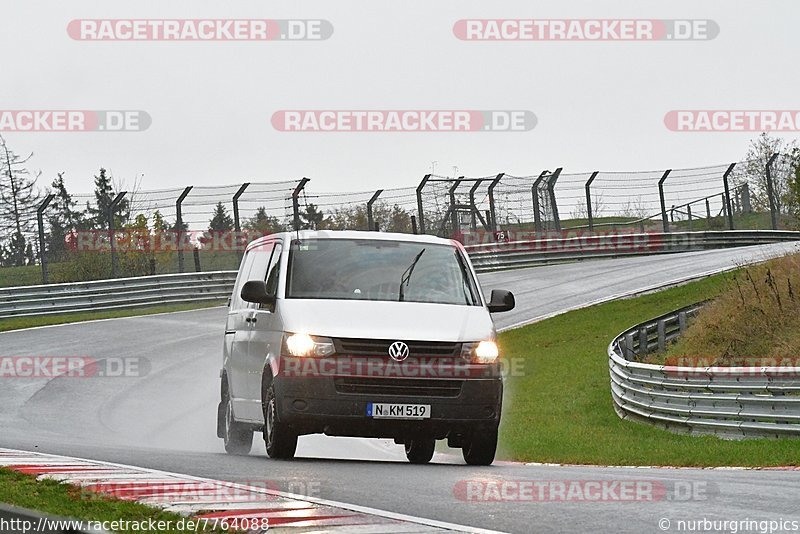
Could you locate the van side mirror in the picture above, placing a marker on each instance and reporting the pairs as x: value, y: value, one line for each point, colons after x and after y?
x: 501, y: 301
x: 256, y: 291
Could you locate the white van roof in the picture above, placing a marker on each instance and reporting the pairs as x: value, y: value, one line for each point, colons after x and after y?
x: 354, y: 234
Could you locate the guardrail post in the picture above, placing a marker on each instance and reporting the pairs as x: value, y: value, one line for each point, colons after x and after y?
x: 773, y: 211
x: 420, y: 209
x: 414, y: 224
x: 662, y: 335
x: 370, y: 221
x: 40, y: 221
x: 551, y: 189
x: 537, y: 216
x: 664, y: 220
x: 589, y: 199
x: 492, y: 215
x: 296, y: 203
x: 236, y: 226
x: 179, y: 226
x: 643, y: 348
x: 112, y: 237
x: 728, y: 195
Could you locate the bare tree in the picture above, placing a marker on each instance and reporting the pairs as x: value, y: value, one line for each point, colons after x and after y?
x: 753, y: 170
x: 18, y: 201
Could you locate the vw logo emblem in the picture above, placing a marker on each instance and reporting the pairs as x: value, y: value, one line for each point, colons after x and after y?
x: 398, y: 351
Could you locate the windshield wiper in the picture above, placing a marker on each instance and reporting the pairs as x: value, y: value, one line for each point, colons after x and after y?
x: 405, y: 278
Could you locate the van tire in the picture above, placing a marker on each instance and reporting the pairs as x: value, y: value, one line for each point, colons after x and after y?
x: 480, y: 448
x: 279, y: 439
x: 238, y: 437
x: 420, y: 451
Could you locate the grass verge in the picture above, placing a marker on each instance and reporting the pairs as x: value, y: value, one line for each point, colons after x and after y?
x: 558, y: 408
x: 16, y: 323
x: 54, y: 498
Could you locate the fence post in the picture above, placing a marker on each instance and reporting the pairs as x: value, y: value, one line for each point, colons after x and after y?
x: 664, y: 220
x: 236, y: 226
x: 296, y: 203
x: 728, y: 195
x: 453, y: 210
x: 551, y: 188
x: 370, y: 221
x: 492, y: 213
x: 708, y: 210
x: 196, y: 254
x: 414, y: 224
x: 112, y: 237
x: 537, y: 216
x: 40, y: 221
x: 589, y: 199
x: 472, y: 206
x: 420, y: 211
x: 689, y: 214
x: 746, y: 207
x: 773, y: 210
x: 179, y: 225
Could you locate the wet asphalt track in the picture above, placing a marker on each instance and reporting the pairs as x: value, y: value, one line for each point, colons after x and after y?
x: 165, y: 419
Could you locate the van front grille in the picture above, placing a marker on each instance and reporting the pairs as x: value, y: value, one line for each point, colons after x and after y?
x: 380, y: 387
x: 380, y: 347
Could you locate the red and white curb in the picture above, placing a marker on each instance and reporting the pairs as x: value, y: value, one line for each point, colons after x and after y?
x: 215, y: 499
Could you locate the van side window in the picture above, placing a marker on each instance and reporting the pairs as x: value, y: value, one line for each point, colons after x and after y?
x: 254, y: 267
x: 274, y: 270
x: 244, y: 271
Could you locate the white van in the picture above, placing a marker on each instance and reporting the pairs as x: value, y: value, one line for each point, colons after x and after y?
x: 364, y: 334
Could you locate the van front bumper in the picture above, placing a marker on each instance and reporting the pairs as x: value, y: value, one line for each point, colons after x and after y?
x: 337, y: 406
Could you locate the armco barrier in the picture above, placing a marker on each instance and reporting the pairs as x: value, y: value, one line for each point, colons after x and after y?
x: 118, y: 293
x: 726, y: 401
x: 211, y: 286
x: 566, y: 246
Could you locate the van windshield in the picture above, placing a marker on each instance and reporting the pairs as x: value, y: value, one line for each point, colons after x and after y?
x: 367, y: 269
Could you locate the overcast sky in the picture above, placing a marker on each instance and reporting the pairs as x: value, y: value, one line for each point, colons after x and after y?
x: 600, y: 105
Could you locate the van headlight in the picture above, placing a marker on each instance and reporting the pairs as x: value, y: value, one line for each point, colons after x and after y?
x: 480, y: 351
x: 303, y: 345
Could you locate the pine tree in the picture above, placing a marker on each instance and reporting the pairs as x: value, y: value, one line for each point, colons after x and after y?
x: 263, y: 223
x: 19, y: 199
x: 312, y: 218
x: 220, y: 220
x: 104, y: 195
x: 63, y: 220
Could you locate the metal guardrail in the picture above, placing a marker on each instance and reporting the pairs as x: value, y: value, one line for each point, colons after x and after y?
x: 125, y: 293
x: 518, y: 254
x: 726, y: 401
x: 120, y: 293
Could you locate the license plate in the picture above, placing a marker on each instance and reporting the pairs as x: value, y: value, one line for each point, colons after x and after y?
x: 378, y: 410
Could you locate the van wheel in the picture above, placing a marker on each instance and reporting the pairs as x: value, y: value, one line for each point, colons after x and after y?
x: 238, y: 437
x: 420, y: 451
x: 281, y: 442
x: 480, y: 448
